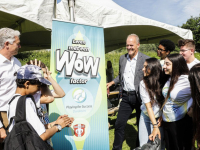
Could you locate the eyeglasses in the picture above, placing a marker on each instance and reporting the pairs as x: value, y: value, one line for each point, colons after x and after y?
x: 184, y: 50
x: 160, y: 49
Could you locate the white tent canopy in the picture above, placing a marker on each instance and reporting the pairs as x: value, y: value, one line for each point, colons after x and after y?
x: 119, y: 22
x: 34, y: 20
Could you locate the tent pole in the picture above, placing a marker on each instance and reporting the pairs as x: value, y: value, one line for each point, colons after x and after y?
x: 71, y: 10
x: 54, y: 8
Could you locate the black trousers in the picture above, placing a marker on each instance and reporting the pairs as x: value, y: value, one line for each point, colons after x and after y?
x: 178, y: 135
x: 128, y: 104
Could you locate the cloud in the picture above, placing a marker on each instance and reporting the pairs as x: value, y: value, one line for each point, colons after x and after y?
x: 192, y: 8
x: 174, y: 12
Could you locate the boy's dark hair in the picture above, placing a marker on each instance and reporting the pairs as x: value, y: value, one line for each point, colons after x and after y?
x: 168, y: 44
x: 20, y: 82
x: 186, y: 42
x: 42, y: 65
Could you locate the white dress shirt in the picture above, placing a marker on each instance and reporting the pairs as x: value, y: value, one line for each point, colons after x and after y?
x: 129, y: 74
x: 7, y: 81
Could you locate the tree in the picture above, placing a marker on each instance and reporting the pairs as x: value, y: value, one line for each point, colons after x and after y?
x: 194, y: 25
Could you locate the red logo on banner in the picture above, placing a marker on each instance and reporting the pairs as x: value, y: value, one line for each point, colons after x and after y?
x: 79, y: 130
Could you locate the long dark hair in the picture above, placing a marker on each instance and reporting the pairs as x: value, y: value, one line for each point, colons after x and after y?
x: 179, y: 67
x: 152, y: 81
x: 194, y: 78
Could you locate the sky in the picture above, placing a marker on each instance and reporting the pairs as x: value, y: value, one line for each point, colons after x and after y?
x: 173, y: 12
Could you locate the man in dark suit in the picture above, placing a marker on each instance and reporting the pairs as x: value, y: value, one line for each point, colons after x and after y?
x: 130, y: 75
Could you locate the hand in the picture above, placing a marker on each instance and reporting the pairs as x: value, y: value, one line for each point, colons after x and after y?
x: 71, y: 121
x: 47, y: 74
x: 110, y: 84
x: 154, y: 133
x: 36, y: 64
x: 159, y: 121
x: 63, y: 120
x: 2, y: 134
x: 190, y: 112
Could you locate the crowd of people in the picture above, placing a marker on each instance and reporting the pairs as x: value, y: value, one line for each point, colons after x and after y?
x: 165, y: 94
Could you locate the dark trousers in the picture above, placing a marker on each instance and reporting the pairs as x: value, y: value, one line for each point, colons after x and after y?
x: 178, y: 135
x: 128, y: 104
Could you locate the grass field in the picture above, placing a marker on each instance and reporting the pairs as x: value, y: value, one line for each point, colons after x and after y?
x: 130, y: 132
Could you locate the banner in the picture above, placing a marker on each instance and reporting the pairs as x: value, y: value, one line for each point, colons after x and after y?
x: 78, y: 66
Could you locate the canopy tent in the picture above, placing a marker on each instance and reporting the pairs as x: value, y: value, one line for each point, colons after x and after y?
x: 119, y: 22
x: 34, y: 20
x: 31, y: 18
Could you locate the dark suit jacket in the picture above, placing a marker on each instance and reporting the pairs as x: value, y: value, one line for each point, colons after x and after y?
x: 138, y: 70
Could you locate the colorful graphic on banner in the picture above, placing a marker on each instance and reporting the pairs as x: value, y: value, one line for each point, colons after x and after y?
x: 78, y: 65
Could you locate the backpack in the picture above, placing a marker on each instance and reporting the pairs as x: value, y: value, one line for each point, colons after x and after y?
x: 23, y: 136
x: 153, y: 145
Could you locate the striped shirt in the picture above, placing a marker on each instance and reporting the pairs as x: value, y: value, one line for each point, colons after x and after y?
x: 179, y: 100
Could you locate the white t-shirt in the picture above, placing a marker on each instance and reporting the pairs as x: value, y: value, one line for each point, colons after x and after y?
x: 162, y: 62
x: 195, y: 61
x: 7, y: 81
x: 179, y: 101
x: 31, y: 115
x: 146, y: 99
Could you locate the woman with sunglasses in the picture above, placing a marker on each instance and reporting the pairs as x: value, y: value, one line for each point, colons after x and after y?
x: 152, y: 99
x: 177, y: 93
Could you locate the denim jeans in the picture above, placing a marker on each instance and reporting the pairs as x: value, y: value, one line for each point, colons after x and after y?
x: 146, y: 128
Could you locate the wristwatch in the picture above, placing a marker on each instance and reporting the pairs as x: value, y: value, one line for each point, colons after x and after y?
x: 59, y: 127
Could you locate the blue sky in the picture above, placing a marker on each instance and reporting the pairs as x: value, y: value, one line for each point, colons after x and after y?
x: 174, y: 12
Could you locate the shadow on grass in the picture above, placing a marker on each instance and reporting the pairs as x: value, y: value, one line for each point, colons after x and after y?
x: 112, y: 120
x: 130, y: 131
x: 130, y: 136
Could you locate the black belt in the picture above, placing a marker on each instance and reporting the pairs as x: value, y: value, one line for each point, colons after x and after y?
x: 129, y: 92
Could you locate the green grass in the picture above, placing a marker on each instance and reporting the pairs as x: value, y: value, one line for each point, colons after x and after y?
x: 130, y: 132
x: 42, y: 55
